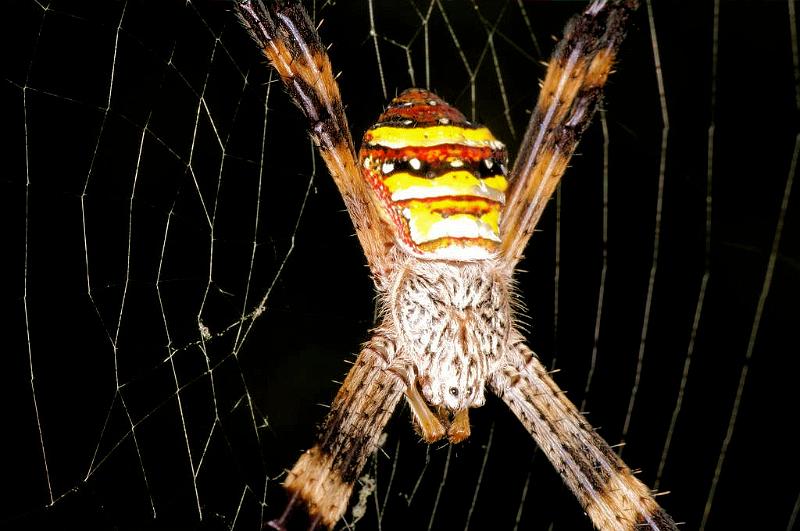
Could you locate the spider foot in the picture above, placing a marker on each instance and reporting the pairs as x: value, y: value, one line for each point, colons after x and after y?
x: 277, y: 523
x: 290, y: 515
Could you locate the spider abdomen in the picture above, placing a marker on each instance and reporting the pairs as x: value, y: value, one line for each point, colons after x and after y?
x: 454, y: 320
x: 440, y: 179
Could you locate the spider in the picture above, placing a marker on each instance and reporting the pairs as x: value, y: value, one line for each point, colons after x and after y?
x: 443, y: 225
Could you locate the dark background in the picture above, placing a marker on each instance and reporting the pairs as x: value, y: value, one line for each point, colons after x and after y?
x: 148, y: 191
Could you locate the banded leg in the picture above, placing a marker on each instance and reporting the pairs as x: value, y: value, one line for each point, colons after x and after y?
x: 323, y: 477
x: 570, y: 93
x: 609, y: 493
x: 290, y: 41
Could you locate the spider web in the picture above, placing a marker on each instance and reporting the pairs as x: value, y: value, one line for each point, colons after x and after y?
x: 182, y: 287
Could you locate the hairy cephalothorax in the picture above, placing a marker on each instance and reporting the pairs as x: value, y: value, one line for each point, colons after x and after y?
x: 443, y: 224
x: 453, y: 322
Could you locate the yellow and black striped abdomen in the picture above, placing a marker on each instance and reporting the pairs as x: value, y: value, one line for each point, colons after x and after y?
x: 440, y: 179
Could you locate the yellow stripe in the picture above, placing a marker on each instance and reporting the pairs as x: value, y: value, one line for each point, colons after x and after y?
x: 492, y: 218
x: 423, y: 220
x: 399, y: 137
x: 458, y: 182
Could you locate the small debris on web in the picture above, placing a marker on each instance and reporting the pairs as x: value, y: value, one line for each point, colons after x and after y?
x: 368, y: 485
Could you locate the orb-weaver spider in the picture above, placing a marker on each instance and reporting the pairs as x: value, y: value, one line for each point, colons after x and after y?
x: 443, y: 225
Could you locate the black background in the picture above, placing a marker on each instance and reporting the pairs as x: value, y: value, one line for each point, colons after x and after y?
x: 177, y: 124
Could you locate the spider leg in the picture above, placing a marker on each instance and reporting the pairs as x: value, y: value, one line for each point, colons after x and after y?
x: 605, y: 487
x: 323, y: 477
x: 289, y: 40
x: 427, y: 422
x: 570, y: 93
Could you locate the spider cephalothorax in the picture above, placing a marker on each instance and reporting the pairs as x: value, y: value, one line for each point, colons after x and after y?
x: 443, y: 226
x: 463, y: 309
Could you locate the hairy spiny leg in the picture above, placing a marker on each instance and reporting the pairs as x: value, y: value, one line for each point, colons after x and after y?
x: 288, y: 38
x: 322, y: 479
x: 606, y: 488
x: 570, y: 93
